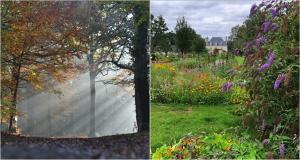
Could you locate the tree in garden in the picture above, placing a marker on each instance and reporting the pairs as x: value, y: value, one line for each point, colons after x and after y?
x: 159, y: 38
x: 172, y: 37
x: 35, y: 44
x: 271, y: 71
x: 198, y: 45
x: 184, y: 35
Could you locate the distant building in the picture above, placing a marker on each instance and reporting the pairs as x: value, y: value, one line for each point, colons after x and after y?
x: 216, y: 42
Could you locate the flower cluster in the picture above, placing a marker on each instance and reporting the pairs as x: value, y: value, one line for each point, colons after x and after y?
x: 269, y: 62
x: 279, y: 79
x: 227, y: 86
x: 164, y: 66
x: 281, y: 149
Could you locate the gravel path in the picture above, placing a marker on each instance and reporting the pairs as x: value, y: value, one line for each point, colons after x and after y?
x: 127, y: 146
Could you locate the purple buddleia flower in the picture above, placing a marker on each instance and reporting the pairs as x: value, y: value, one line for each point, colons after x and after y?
x: 279, y: 79
x: 263, y: 124
x: 269, y: 62
x: 281, y: 149
x: 260, y: 40
x: 224, y: 87
x: 271, y: 58
x: 229, y: 85
x: 253, y: 9
x: 275, y: 11
x: 274, y: 26
x: 265, y: 141
x: 266, y: 26
x: 263, y: 67
x: 249, y: 44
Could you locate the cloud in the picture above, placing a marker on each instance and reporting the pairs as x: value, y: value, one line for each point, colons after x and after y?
x: 207, y: 17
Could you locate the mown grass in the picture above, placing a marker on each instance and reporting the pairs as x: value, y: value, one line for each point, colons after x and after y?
x: 170, y: 122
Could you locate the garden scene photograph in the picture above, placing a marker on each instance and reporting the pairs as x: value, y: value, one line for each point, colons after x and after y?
x: 224, y: 79
x: 74, y: 80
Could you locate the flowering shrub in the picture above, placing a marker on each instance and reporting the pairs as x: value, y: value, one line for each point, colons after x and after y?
x: 271, y: 71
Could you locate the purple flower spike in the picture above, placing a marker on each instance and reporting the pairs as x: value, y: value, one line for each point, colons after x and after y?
x: 263, y: 67
x: 271, y: 58
x: 274, y: 26
x: 275, y: 12
x: 260, y: 41
x: 265, y: 141
x: 249, y: 44
x: 229, y: 85
x: 253, y: 9
x: 224, y: 87
x: 281, y: 149
x: 266, y: 26
x: 279, y: 79
x: 269, y: 62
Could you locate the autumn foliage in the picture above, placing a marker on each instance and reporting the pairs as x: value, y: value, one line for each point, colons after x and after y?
x: 38, y: 39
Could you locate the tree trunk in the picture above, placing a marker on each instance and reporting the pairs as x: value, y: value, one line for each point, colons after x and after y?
x: 92, y: 72
x: 15, y: 77
x: 12, y: 115
x: 141, y: 72
x: 92, y: 106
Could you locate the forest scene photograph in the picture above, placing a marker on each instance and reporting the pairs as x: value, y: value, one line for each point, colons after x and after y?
x: 74, y: 79
x: 225, y: 79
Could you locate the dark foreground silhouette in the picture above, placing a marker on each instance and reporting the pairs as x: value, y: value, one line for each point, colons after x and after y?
x: 118, y: 146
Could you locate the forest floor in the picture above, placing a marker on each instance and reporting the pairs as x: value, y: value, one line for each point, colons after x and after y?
x: 117, y: 146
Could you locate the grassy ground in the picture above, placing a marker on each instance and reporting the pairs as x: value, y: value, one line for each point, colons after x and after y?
x: 169, y: 122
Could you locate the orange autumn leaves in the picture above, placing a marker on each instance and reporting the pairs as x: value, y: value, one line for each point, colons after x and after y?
x: 39, y: 40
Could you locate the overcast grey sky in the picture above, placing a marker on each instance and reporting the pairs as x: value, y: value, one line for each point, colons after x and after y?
x: 207, y: 17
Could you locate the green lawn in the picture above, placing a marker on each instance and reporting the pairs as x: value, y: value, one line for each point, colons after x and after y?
x: 169, y: 122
